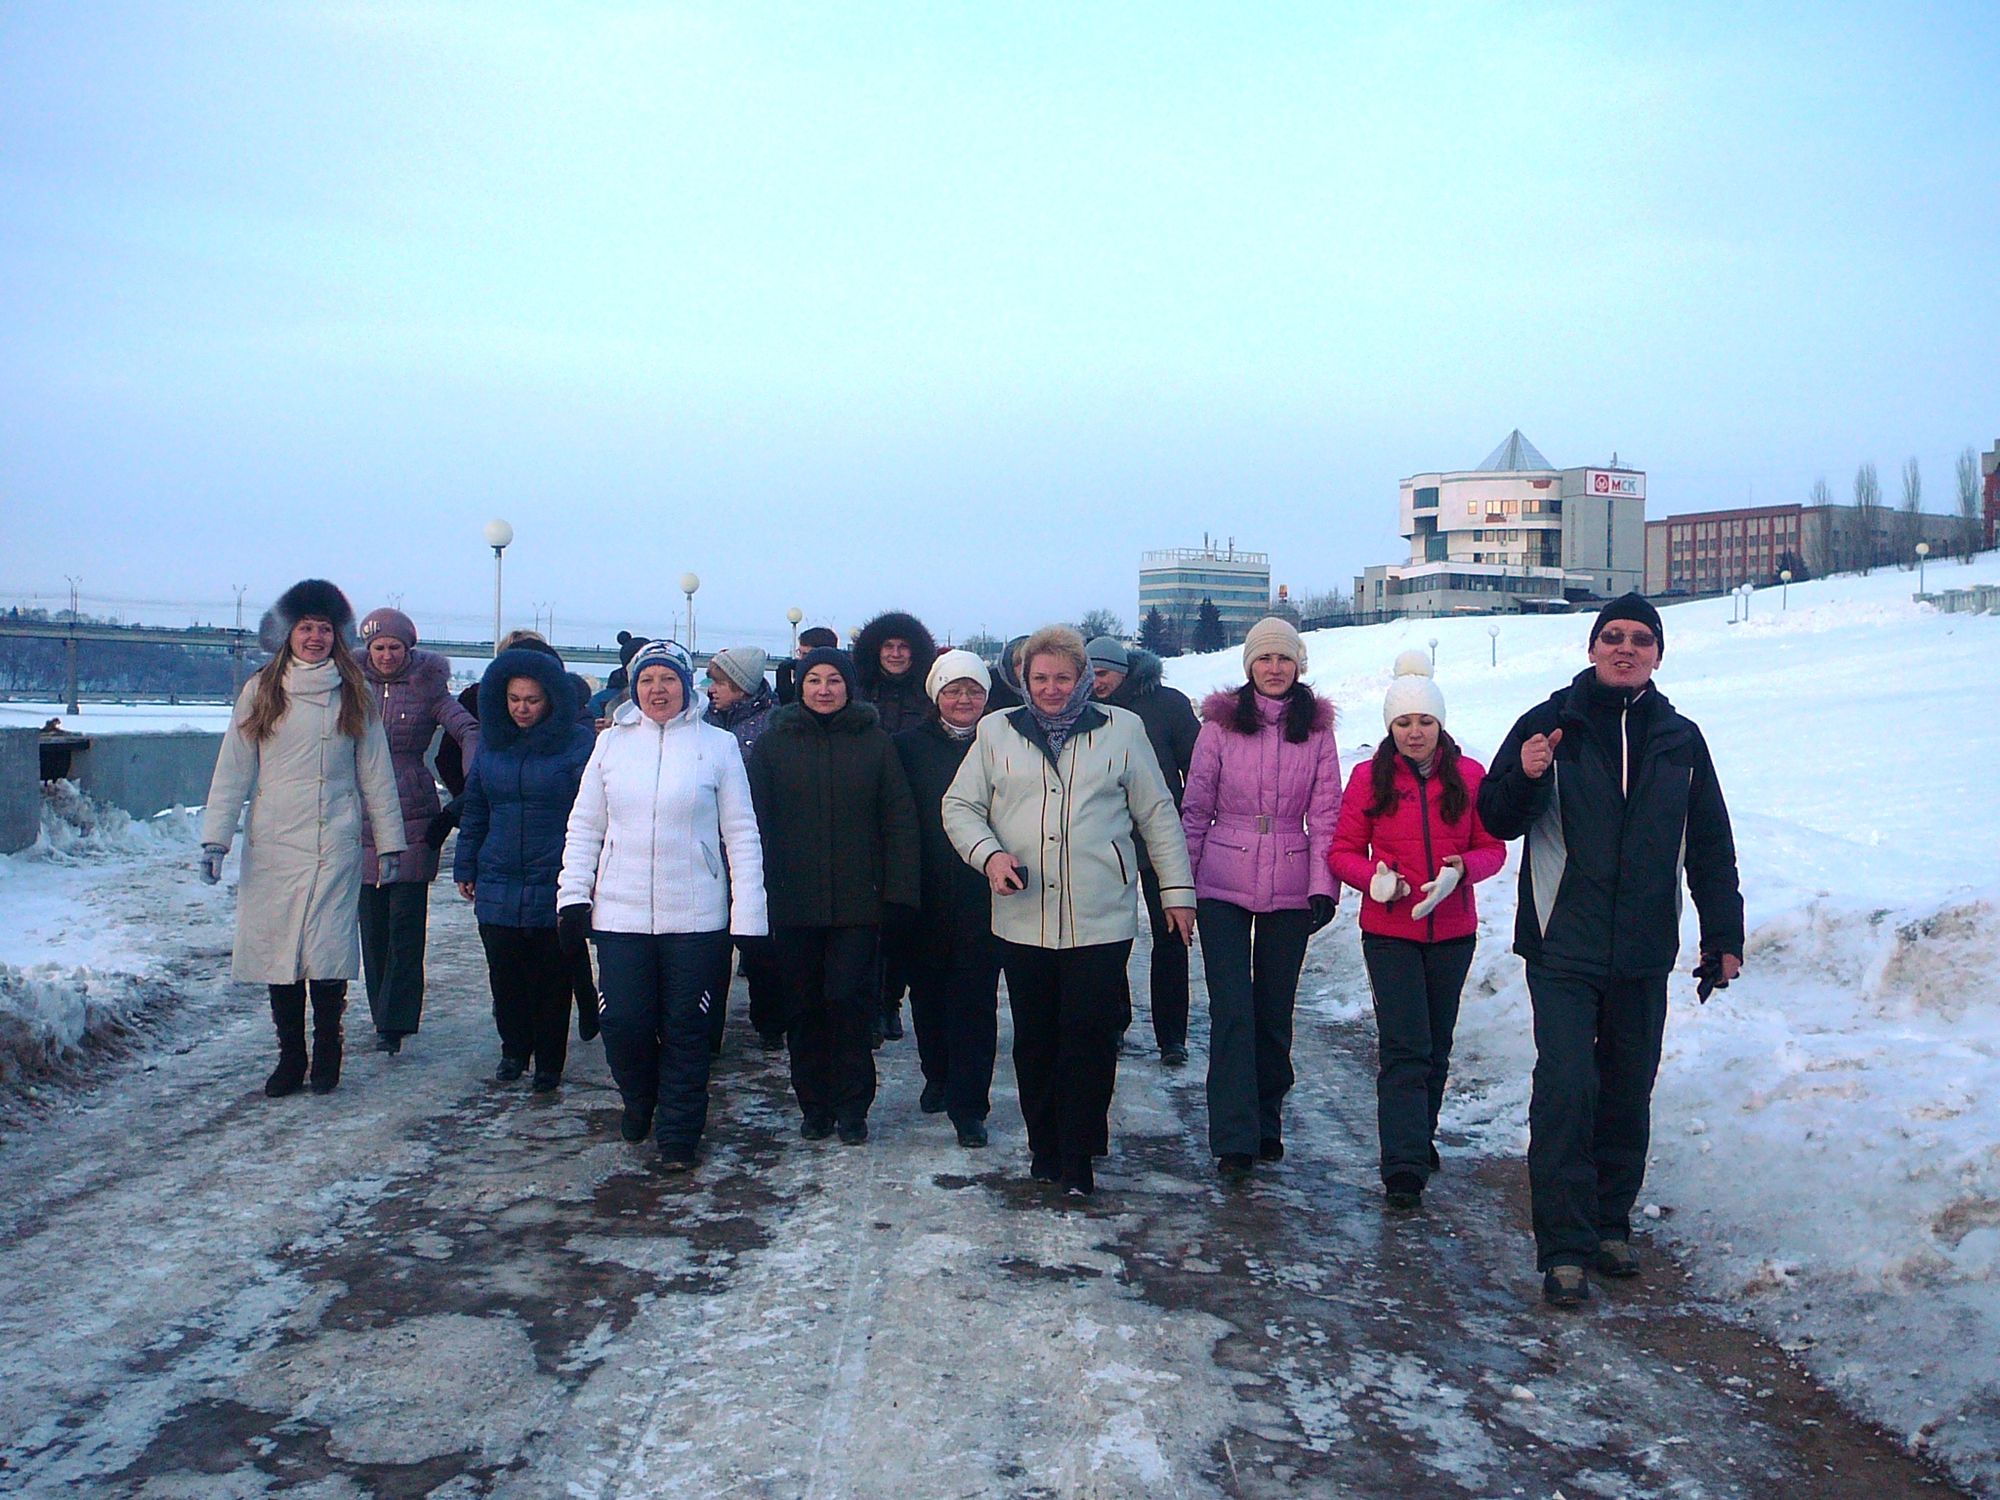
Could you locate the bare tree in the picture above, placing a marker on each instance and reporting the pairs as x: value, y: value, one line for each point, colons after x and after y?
x: 1968, y: 502
x: 1100, y: 622
x: 1910, y: 515
x: 1867, y: 516
x: 1836, y: 558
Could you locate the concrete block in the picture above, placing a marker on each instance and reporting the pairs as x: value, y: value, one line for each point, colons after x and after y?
x: 20, y: 788
x: 146, y: 774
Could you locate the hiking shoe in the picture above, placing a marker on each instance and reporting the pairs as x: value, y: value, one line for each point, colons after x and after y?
x: 851, y: 1132
x: 1173, y: 1057
x: 1271, y: 1149
x: 816, y: 1127
x: 1565, y: 1286
x: 1234, y: 1166
x: 510, y: 1069
x: 972, y: 1134
x: 635, y: 1124
x: 1617, y: 1258
x: 1403, y: 1191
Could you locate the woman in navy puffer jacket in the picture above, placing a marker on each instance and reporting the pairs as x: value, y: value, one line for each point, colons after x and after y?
x: 532, y: 751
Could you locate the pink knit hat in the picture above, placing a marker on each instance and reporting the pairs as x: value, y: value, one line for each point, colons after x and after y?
x: 390, y: 622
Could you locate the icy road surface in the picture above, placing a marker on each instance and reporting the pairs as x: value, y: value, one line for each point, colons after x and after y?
x: 430, y: 1284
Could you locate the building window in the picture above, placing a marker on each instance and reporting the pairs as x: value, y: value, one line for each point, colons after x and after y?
x: 1425, y: 497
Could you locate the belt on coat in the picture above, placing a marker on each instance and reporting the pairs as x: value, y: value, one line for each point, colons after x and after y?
x: 1260, y: 823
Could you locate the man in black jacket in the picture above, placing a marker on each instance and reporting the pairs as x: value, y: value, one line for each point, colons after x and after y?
x: 1131, y: 680
x: 1617, y: 797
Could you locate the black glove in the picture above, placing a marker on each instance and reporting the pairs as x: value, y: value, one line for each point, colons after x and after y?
x: 573, y: 929
x: 1708, y: 977
x: 1323, y: 910
x: 439, y: 828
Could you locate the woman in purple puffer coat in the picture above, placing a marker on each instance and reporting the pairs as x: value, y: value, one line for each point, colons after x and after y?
x: 412, y: 690
x: 1263, y: 797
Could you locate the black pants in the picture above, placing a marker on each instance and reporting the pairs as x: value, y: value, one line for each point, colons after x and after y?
x: 831, y: 989
x: 1169, y: 969
x: 758, y: 968
x: 1416, y: 986
x: 1597, y: 1051
x: 1252, y: 962
x: 393, y: 922
x: 659, y: 992
x: 955, y: 1008
x: 1070, y: 1007
x: 531, y: 994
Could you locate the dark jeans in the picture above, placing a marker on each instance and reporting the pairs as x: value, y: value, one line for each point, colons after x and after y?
x: 1169, y: 969
x: 659, y: 992
x: 831, y: 991
x: 767, y: 1003
x: 531, y: 994
x: 1252, y: 962
x: 1597, y: 1051
x: 955, y: 1008
x: 1416, y: 988
x: 393, y: 922
x: 1070, y: 1007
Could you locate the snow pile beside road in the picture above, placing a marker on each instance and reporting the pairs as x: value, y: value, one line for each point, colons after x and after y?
x: 1823, y: 1146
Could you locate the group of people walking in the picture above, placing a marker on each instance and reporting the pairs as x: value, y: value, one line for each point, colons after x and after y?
x: 905, y: 820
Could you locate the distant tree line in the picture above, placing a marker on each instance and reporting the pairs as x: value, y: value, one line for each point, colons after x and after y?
x: 132, y: 667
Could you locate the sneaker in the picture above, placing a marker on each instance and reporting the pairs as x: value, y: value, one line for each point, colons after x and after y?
x: 1565, y: 1286
x: 1617, y: 1258
x: 547, y: 1083
x: 972, y: 1134
x: 635, y: 1124
x: 816, y: 1127
x: 1173, y: 1057
x: 892, y: 1023
x: 852, y: 1132
x: 1043, y: 1167
x: 510, y: 1069
x: 1271, y: 1149
x: 1403, y: 1191
x: 1234, y: 1166
x: 932, y: 1101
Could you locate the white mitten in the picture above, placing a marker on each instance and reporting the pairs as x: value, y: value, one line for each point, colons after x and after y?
x: 1435, y: 891
x: 1384, y: 883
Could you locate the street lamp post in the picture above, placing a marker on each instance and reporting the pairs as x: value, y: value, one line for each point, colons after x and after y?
x: 1785, y: 591
x: 794, y: 615
x: 1493, y: 635
x: 1434, y: 651
x: 499, y: 536
x: 689, y: 583
x: 1923, y: 551
x: 1746, y: 591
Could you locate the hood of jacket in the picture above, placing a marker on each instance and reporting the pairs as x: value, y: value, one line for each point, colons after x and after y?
x: 425, y: 671
x: 1142, y: 677
x: 899, y: 625
x: 1219, y: 708
x: 852, y: 717
x: 497, y: 727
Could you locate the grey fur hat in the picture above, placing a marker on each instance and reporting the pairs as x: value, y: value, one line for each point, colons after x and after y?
x: 313, y: 598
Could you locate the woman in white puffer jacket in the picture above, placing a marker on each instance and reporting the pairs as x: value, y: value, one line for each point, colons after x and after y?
x: 661, y: 866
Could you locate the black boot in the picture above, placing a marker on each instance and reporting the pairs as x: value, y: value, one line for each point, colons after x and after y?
x: 329, y: 1003
x: 288, y: 1014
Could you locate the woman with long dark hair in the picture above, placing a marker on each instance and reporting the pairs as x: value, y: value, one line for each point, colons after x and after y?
x: 1263, y: 795
x: 306, y: 746
x: 1411, y: 842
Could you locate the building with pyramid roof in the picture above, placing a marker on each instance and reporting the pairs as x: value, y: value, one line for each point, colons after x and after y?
x: 1513, y: 534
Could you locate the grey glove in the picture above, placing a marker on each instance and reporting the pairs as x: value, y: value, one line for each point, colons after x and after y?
x: 209, y: 865
x: 387, y: 868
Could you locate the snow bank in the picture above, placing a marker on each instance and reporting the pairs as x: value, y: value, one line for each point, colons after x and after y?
x: 1823, y: 1130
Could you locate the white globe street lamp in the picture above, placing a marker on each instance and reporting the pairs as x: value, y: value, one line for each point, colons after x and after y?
x: 1434, y: 651
x: 1493, y: 635
x: 1785, y: 593
x: 794, y: 615
x: 689, y: 583
x: 499, y: 536
x: 1923, y: 551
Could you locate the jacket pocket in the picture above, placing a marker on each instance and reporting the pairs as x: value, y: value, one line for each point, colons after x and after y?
x: 714, y: 867
x: 1124, y: 874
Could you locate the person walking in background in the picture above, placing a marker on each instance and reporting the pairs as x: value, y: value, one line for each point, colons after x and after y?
x: 1130, y: 679
x: 660, y: 865
x: 1263, y: 795
x: 741, y: 701
x: 786, y: 674
x: 840, y: 858
x: 1410, y: 840
x: 518, y: 794
x: 412, y: 694
x: 307, y: 749
x: 952, y: 957
x: 1007, y: 691
x: 1047, y: 805
x: 1617, y: 797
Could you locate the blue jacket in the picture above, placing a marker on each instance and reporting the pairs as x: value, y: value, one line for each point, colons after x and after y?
x: 518, y: 795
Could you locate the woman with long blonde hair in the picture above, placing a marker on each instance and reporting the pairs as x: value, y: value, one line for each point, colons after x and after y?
x: 307, y: 748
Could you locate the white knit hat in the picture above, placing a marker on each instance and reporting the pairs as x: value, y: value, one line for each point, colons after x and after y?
x: 1413, y: 691
x: 1274, y: 633
x: 953, y: 665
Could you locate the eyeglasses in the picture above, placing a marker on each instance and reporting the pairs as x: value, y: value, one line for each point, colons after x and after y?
x: 1642, y: 640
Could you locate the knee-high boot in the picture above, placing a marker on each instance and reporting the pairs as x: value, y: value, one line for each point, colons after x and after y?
x: 329, y: 1002
x: 288, y: 1014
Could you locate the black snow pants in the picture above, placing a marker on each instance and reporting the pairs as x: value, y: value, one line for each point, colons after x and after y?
x: 1070, y: 1007
x: 394, y: 919
x: 955, y: 1008
x: 1417, y: 986
x: 832, y: 992
x: 1168, y: 969
x: 531, y: 995
x: 658, y: 994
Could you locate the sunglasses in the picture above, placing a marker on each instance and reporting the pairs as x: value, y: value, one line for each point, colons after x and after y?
x: 1643, y: 640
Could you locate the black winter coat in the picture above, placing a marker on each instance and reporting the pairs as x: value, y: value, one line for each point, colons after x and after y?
x: 1171, y: 726
x: 957, y: 925
x: 1631, y: 801
x: 834, y: 809
x: 901, y: 701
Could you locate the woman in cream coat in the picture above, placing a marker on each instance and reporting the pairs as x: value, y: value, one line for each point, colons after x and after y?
x: 307, y: 748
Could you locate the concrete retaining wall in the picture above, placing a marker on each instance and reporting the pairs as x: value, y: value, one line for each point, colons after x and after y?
x: 147, y: 773
x: 20, y: 788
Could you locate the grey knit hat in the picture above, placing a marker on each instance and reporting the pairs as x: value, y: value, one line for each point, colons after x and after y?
x: 742, y: 665
x: 1108, y: 653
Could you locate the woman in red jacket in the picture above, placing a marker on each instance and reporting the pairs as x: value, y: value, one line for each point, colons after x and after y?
x: 1409, y: 838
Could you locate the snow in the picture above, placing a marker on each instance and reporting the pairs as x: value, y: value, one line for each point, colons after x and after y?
x: 1823, y: 1152
x: 118, y: 718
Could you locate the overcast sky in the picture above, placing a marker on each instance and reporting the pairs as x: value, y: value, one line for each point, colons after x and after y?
x: 956, y: 308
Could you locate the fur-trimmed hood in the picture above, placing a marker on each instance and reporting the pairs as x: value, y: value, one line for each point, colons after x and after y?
x: 309, y: 596
x: 497, y: 729
x: 1220, y: 707
x: 425, y: 671
x: 897, y: 624
x: 1142, y: 677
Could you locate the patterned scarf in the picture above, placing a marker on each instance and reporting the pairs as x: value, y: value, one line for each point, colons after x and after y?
x: 1057, y: 726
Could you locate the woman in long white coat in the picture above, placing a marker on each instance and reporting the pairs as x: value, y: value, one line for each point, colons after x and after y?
x: 307, y: 748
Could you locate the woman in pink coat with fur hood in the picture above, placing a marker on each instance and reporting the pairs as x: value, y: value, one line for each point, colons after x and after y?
x: 1262, y: 799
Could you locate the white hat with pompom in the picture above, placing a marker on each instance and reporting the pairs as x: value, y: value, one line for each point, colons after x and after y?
x: 1414, y: 690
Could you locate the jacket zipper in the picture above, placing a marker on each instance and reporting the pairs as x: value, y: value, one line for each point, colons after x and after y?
x: 1430, y: 859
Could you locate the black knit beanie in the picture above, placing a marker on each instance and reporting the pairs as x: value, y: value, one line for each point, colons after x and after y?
x: 827, y: 656
x: 1636, y: 608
